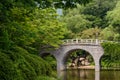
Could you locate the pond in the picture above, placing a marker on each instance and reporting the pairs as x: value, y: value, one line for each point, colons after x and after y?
x: 90, y: 75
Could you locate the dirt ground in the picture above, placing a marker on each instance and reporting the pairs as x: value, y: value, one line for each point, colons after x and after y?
x: 82, y: 67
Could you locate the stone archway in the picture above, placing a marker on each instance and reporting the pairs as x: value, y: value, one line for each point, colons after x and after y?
x: 96, y: 51
x: 77, y: 58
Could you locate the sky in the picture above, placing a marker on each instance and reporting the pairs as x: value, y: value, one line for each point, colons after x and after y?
x: 59, y: 11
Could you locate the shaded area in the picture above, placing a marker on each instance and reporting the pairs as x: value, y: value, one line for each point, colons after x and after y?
x: 18, y: 64
x: 79, y: 59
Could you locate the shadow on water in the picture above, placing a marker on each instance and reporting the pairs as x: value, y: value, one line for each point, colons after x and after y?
x: 89, y: 75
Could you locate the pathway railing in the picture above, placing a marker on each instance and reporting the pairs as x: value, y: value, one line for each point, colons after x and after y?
x: 83, y: 41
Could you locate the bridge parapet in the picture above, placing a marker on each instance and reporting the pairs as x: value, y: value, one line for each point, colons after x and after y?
x: 83, y: 41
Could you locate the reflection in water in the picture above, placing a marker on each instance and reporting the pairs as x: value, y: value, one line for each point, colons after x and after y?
x: 79, y: 75
x: 89, y: 75
x: 97, y: 75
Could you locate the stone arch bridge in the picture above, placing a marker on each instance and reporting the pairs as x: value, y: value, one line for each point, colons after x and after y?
x: 93, y: 46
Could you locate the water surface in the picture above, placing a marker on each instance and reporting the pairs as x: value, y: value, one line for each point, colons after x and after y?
x: 90, y: 75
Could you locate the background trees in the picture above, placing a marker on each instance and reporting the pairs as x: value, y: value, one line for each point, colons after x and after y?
x: 93, y: 15
x: 114, y: 18
x: 98, y: 19
x: 111, y: 55
x: 75, y: 21
x: 61, y: 3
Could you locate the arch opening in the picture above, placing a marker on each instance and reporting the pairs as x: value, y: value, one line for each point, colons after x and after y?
x: 78, y: 58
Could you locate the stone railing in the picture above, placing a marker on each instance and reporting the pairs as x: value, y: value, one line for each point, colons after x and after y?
x: 83, y: 41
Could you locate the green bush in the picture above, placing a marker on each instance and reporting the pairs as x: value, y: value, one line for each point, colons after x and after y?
x: 18, y: 64
x: 8, y: 71
x: 51, y: 60
x: 46, y: 78
x: 111, y: 56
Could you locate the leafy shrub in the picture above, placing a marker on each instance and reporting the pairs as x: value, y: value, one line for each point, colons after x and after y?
x: 111, y: 56
x: 45, y: 78
x: 8, y: 71
x: 18, y: 64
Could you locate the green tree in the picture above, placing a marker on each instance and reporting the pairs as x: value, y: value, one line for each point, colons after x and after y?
x: 75, y: 21
x: 96, y: 12
x: 111, y: 56
x: 50, y: 31
x: 114, y: 18
x: 13, y: 27
x: 26, y: 27
x: 93, y: 33
x: 61, y: 3
x: 109, y: 33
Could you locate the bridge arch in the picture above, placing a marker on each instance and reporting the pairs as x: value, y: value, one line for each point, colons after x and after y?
x: 93, y: 47
x: 65, y: 58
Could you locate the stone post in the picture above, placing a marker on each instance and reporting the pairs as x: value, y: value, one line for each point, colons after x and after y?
x: 97, y: 63
x: 97, y: 67
x: 97, y: 41
x: 60, y: 66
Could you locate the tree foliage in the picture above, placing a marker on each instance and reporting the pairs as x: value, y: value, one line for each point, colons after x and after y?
x: 23, y: 29
x: 50, y: 30
x: 111, y: 56
x: 97, y: 10
x: 90, y: 16
x: 61, y: 3
x: 109, y: 33
x: 18, y: 64
x: 26, y: 28
x: 75, y: 21
x: 91, y: 33
x: 114, y: 18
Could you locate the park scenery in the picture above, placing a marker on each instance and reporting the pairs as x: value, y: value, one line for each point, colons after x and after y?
x: 59, y: 39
